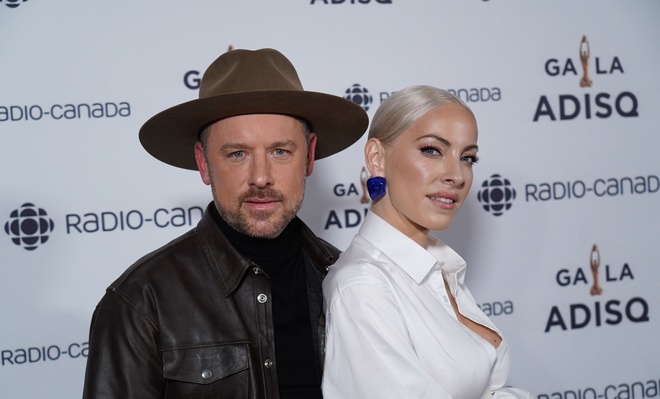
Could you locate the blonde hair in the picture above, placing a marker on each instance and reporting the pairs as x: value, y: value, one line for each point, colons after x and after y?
x: 403, y: 108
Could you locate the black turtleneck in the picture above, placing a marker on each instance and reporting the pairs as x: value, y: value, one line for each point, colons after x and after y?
x: 281, y: 259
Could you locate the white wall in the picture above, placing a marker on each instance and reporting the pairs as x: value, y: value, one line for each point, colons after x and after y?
x: 529, y: 266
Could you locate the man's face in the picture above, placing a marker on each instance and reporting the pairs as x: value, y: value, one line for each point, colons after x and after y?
x: 256, y: 165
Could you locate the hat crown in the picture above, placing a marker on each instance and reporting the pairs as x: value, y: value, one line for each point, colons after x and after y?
x: 243, y: 82
x: 242, y: 71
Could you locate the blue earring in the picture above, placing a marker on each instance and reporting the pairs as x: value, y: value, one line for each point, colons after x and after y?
x: 376, y: 187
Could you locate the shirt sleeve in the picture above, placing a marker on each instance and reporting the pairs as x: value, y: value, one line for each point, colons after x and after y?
x: 369, y: 352
x: 123, y: 360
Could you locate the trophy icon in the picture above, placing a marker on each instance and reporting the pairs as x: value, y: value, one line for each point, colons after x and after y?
x: 594, y: 262
x: 363, y: 180
x: 584, y: 59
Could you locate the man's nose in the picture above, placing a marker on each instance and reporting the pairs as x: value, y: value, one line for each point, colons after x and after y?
x: 260, y: 172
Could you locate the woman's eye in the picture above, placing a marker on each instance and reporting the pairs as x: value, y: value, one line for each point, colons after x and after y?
x: 429, y: 150
x: 471, y: 159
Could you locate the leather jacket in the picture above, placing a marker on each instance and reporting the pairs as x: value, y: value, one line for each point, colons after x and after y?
x: 193, y: 320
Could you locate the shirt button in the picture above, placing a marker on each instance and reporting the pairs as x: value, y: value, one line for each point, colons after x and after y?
x: 206, y: 374
x: 445, y: 298
x: 255, y: 270
x: 262, y: 298
x: 268, y: 363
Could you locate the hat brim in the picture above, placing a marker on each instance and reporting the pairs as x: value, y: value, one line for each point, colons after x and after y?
x: 170, y: 135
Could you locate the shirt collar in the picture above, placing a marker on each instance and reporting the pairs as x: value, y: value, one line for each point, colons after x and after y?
x: 415, y: 260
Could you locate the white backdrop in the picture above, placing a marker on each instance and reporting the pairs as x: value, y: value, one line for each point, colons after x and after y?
x: 81, y: 200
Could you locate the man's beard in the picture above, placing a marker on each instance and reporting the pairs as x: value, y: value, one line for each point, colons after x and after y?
x: 260, y: 224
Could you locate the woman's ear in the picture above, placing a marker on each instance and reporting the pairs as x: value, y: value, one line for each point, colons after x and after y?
x: 374, y: 157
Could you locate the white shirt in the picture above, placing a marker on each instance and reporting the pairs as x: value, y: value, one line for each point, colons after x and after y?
x: 392, y: 331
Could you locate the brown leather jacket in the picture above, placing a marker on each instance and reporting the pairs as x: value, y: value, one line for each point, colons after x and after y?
x: 193, y: 320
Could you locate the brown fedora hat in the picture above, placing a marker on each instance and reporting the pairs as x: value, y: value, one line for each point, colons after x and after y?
x: 241, y: 82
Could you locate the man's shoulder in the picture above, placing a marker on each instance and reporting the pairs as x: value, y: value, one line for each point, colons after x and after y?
x: 334, y: 251
x: 162, y: 260
x: 321, y: 251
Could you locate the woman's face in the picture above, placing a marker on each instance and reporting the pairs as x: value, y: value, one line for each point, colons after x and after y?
x: 428, y: 169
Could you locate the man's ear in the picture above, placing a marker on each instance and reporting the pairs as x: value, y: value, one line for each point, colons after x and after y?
x: 311, y: 153
x: 202, y: 165
x: 374, y: 157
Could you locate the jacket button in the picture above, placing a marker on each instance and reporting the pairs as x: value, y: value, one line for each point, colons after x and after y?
x: 262, y: 298
x: 255, y: 270
x: 206, y: 374
x: 268, y: 363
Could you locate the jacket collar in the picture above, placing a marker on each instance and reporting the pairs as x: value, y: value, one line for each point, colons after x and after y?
x: 229, y: 266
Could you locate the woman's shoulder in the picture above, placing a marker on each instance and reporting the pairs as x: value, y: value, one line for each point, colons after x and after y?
x: 360, y: 263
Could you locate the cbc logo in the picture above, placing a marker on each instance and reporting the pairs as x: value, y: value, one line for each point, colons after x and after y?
x: 12, y: 3
x: 496, y: 195
x: 359, y: 95
x: 29, y: 226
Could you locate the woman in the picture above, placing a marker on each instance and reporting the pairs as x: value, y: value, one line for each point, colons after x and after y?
x: 400, y: 321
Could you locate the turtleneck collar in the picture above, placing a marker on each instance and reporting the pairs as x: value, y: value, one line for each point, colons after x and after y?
x: 270, y: 254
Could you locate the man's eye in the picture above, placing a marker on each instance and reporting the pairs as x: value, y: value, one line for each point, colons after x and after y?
x: 280, y: 152
x: 236, y: 154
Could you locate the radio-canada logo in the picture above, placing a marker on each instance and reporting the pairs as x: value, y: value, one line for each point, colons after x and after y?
x: 29, y: 226
x: 496, y: 195
x: 12, y: 3
x: 359, y: 95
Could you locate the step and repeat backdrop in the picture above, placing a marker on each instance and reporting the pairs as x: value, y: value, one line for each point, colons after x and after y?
x: 561, y: 229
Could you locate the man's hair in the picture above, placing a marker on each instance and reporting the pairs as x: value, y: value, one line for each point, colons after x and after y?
x: 203, y: 134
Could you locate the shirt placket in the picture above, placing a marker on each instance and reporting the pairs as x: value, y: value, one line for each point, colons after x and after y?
x: 264, y: 318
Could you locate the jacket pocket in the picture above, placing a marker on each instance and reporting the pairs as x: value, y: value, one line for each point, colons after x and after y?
x: 221, y: 370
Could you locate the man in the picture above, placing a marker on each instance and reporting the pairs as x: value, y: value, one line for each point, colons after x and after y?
x: 233, y: 308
